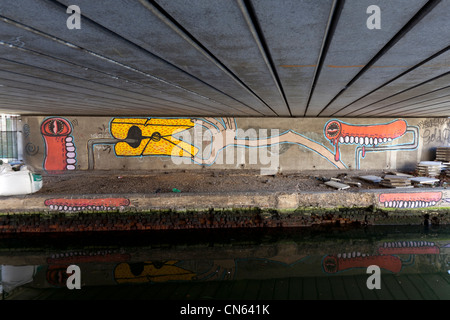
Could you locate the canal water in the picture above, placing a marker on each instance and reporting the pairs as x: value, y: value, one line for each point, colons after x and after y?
x: 363, y: 263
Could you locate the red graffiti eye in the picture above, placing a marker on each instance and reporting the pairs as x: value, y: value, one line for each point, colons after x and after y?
x: 56, y: 275
x: 332, y: 130
x: 56, y: 127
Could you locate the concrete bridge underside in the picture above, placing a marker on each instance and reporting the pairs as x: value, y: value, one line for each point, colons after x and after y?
x: 249, y: 58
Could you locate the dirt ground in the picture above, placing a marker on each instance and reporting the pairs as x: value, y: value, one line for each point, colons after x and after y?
x: 201, y: 181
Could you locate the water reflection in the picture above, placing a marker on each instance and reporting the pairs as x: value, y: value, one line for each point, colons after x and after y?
x: 290, y: 263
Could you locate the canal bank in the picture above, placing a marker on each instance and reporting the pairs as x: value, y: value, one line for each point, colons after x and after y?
x: 173, y: 211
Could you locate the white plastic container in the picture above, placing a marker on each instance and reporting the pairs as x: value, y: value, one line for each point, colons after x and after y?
x: 18, y: 182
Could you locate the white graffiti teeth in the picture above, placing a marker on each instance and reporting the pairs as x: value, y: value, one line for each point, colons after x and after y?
x: 409, y: 204
x: 408, y: 244
x: 70, y: 154
x: 350, y: 255
x: 82, y: 254
x: 367, y: 141
x: 55, y: 207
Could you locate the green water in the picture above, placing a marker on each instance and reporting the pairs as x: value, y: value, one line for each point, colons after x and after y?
x: 238, y: 264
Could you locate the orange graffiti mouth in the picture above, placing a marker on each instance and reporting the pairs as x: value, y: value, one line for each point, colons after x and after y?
x: 365, y: 135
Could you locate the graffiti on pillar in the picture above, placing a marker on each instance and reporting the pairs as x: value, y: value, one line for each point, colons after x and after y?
x: 369, y: 138
x: 60, y: 150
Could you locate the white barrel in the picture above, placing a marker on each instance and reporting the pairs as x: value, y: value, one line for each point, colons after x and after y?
x: 19, y: 182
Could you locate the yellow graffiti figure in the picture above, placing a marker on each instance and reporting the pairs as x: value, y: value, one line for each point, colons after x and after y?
x: 151, y: 137
x: 151, y: 271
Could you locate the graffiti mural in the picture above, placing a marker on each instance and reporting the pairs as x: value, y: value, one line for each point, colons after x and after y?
x: 151, y: 137
x: 165, y: 137
x: 226, y: 130
x: 410, y: 200
x: 369, y: 138
x: 140, y: 137
x: 102, y: 204
x: 60, y: 150
x: 134, y: 137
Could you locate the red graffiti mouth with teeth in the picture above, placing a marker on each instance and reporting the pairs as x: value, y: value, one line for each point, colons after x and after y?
x: 410, y: 200
x: 364, y: 135
x: 340, y: 262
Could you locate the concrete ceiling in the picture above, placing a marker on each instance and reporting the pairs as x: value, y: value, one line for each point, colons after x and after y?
x: 254, y: 58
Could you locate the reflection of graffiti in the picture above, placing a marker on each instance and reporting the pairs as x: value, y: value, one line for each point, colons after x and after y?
x: 409, y: 247
x: 368, y: 137
x: 59, y: 147
x: 385, y: 259
x: 219, y: 270
x: 410, y: 200
x: 151, y: 271
x: 56, y: 273
x: 333, y: 264
x: 174, y: 270
x: 87, y: 256
x: 86, y: 204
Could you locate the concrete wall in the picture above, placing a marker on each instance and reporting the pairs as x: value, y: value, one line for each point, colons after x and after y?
x: 269, y: 144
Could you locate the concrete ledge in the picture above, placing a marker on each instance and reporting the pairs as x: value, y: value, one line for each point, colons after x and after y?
x: 186, y: 201
x: 124, y: 212
x: 426, y: 198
